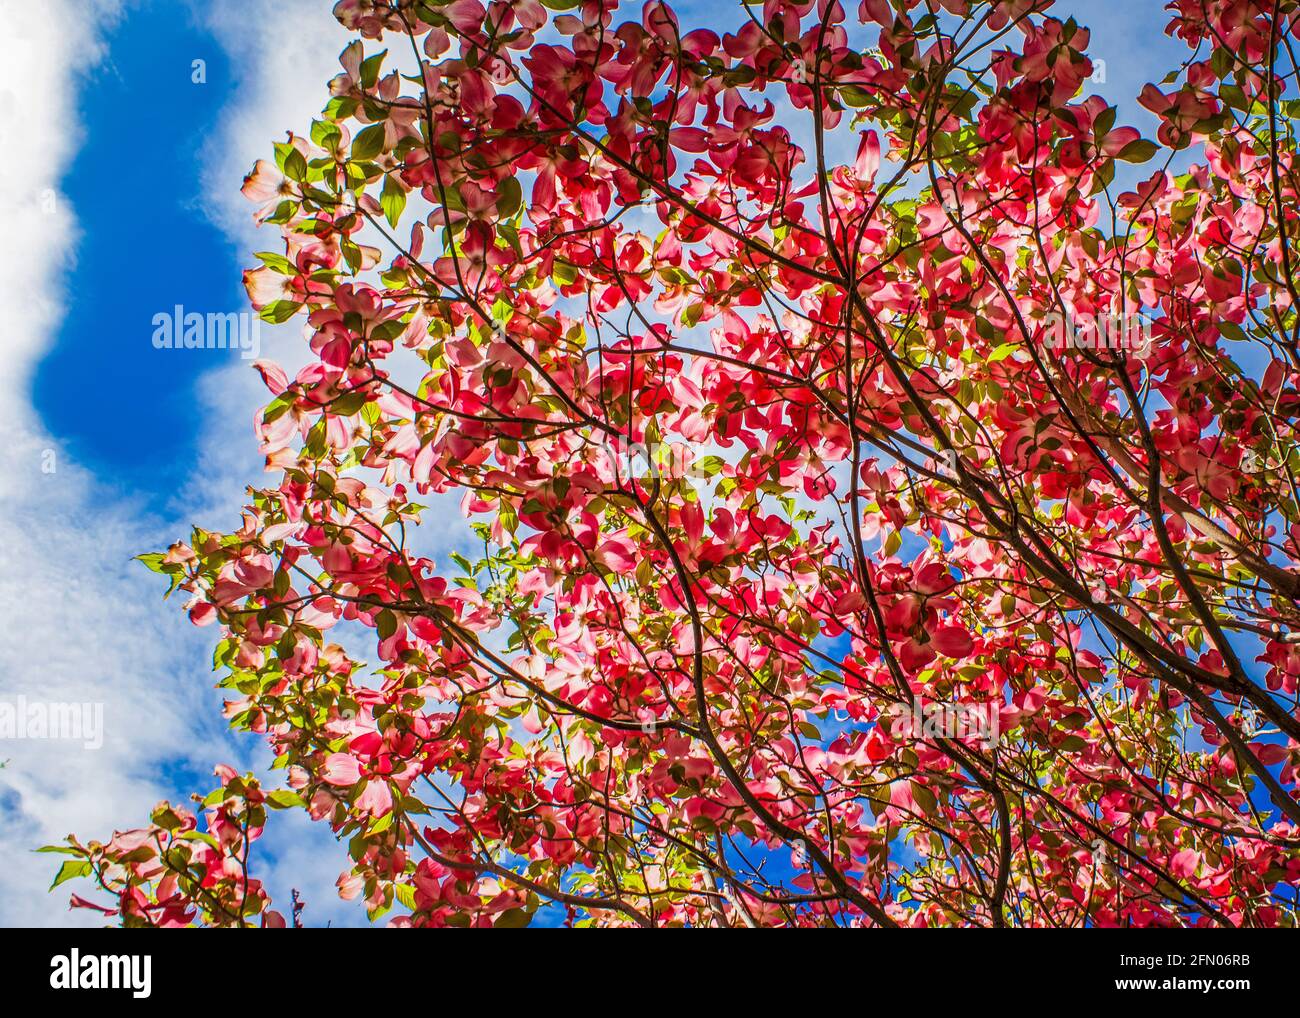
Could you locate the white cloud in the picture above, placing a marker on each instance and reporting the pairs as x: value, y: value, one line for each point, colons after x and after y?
x: 40, y: 59
x: 82, y: 624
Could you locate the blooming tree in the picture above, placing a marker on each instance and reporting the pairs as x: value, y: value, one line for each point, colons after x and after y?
x: 837, y: 563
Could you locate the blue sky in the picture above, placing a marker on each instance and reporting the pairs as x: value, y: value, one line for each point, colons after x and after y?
x: 125, y: 204
x: 147, y: 122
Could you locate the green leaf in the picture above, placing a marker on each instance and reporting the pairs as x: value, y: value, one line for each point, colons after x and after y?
x: 393, y: 200
x: 370, y: 69
x: 509, y: 197
x: 341, y: 107
x: 1104, y: 122
x: 351, y: 254
x: 512, y: 919
x: 325, y: 134
x: 1232, y: 331
x: 346, y: 406
x: 278, y: 312
x: 852, y: 95
x: 283, y: 798
x: 368, y: 143
x: 280, y: 263
x: 1138, y: 151
x: 71, y: 869
x: 295, y: 165
x: 1102, y: 178
x: 405, y: 893
x: 386, y: 332
x: 276, y: 409
x: 1002, y: 352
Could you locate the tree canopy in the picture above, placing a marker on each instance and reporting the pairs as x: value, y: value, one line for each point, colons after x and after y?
x: 881, y: 461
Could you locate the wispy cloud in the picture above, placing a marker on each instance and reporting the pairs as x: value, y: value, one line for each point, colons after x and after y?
x: 81, y: 624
